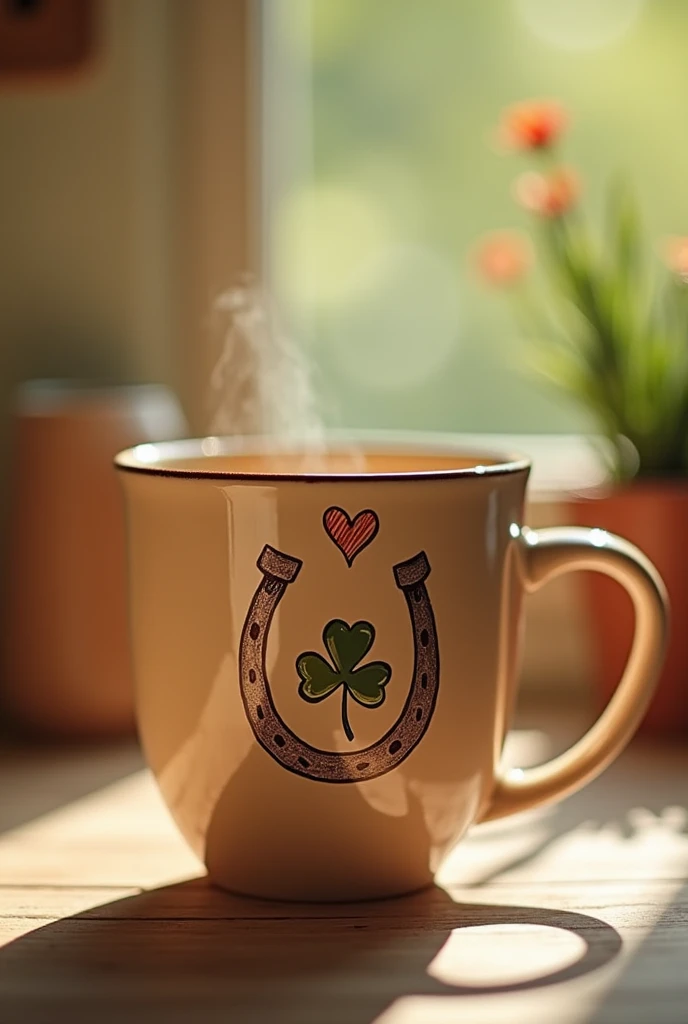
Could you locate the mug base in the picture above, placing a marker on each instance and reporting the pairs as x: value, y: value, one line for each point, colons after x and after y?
x: 333, y: 897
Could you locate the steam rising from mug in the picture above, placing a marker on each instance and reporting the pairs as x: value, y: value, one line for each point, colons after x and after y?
x: 261, y: 383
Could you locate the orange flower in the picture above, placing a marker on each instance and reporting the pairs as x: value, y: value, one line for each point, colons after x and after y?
x: 549, y: 195
x: 535, y: 124
x: 675, y: 254
x: 503, y: 258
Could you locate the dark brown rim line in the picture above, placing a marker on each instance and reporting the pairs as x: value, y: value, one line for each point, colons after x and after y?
x: 502, y: 469
x: 331, y: 478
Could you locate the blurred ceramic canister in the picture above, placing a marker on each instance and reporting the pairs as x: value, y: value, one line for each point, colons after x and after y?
x: 65, y: 652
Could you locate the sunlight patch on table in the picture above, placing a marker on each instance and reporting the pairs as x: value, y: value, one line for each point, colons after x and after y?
x: 119, y: 834
x: 504, y: 954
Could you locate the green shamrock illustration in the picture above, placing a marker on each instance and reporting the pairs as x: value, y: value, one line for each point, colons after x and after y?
x: 347, y: 646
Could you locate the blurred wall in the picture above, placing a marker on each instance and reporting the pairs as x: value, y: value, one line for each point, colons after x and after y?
x: 85, y: 193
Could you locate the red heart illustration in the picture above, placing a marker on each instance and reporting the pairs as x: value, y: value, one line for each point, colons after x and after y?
x: 351, y: 535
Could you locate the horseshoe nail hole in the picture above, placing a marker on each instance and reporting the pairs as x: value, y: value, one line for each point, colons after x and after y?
x: 304, y: 762
x: 271, y: 586
x: 254, y: 631
x: 362, y: 765
x: 251, y: 675
x: 394, y: 747
x: 424, y: 637
x: 424, y: 680
x: 259, y: 712
x: 279, y: 740
x: 417, y: 594
x: 419, y: 714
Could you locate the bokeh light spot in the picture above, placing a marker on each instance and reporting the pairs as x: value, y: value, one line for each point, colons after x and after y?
x: 579, y: 24
x: 402, y: 332
x: 331, y: 243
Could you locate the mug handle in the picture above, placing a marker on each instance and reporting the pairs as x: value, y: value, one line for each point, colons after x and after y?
x: 548, y: 553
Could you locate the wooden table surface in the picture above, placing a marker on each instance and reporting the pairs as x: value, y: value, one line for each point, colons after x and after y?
x: 578, y: 914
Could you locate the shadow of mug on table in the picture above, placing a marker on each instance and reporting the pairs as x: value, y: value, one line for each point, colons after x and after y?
x: 195, y: 953
x: 65, y: 654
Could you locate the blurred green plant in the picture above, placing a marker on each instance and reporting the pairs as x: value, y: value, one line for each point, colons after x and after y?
x: 610, y: 326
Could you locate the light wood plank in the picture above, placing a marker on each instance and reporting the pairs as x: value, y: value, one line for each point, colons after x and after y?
x: 575, y: 915
x: 40, y: 779
x: 197, y: 899
x: 121, y: 835
x: 50, y: 903
x: 629, y: 824
x: 425, y: 954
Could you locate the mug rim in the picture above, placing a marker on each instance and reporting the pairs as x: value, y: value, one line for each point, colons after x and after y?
x: 146, y: 458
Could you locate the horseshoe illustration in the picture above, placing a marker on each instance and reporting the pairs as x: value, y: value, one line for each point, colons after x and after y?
x: 279, y: 570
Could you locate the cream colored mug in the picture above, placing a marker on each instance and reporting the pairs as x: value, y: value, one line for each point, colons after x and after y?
x: 326, y: 648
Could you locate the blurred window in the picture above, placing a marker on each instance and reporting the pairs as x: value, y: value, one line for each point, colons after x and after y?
x: 381, y: 173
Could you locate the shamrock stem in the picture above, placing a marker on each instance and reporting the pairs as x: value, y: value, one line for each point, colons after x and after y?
x: 345, y: 716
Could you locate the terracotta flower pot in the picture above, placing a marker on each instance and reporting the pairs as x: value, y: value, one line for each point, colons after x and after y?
x: 654, y: 516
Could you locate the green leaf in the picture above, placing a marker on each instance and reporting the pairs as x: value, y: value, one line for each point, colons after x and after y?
x: 318, y: 678
x: 348, y: 645
x: 626, y: 249
x: 367, y: 684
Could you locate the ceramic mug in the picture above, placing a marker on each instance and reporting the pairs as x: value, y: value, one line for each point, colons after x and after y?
x: 326, y: 649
